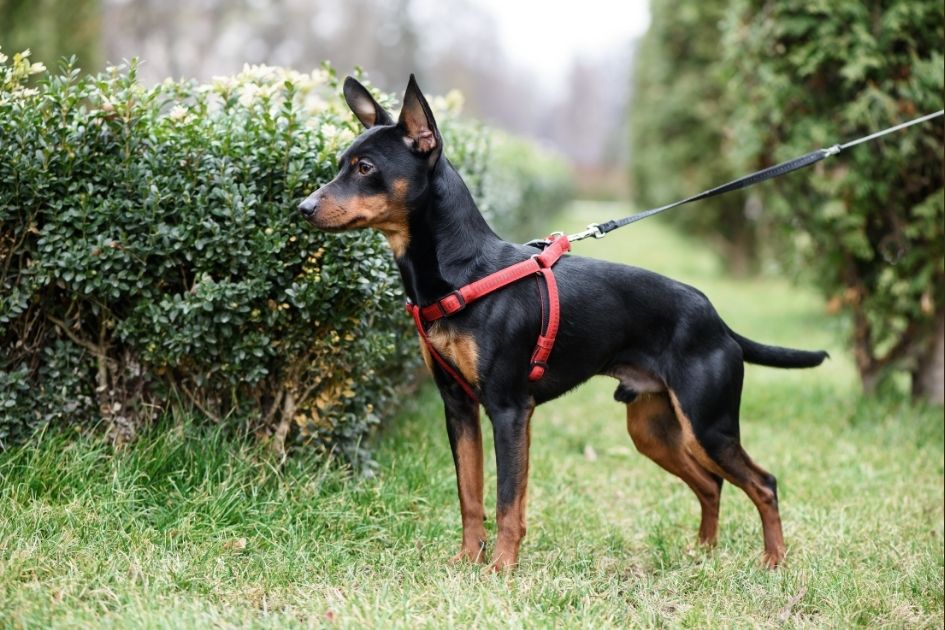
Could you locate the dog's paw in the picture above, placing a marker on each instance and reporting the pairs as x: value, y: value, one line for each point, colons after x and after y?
x: 773, y: 559
x: 500, y: 565
x: 475, y: 554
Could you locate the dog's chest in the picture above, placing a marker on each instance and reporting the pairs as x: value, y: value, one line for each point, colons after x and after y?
x: 459, y: 348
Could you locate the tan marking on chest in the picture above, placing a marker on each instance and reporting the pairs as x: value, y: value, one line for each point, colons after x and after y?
x: 425, y: 353
x: 460, y: 349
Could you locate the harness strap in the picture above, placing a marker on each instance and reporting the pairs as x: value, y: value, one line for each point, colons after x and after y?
x: 546, y: 339
x: 540, y: 265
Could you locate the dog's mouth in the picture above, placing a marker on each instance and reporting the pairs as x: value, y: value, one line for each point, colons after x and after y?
x: 350, y: 225
x: 353, y: 223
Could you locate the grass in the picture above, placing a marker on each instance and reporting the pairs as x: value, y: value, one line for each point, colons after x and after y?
x: 191, y: 528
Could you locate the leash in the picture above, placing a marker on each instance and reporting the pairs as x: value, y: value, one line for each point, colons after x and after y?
x: 599, y: 230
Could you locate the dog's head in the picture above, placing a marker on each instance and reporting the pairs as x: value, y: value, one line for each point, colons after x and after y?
x: 384, y: 172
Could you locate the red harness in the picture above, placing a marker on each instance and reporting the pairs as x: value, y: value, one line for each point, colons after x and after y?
x: 538, y: 265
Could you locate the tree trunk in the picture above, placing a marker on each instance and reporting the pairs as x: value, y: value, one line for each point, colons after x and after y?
x: 928, y: 379
x: 869, y: 369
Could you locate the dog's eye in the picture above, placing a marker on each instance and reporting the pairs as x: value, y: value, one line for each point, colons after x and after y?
x: 365, y: 168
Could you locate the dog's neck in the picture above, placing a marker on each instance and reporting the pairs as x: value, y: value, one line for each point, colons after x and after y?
x: 448, y: 237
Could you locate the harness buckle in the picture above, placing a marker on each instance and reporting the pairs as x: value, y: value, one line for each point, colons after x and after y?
x: 452, y: 303
x: 594, y: 229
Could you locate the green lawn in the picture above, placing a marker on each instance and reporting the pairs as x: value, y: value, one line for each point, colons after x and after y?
x: 189, y: 528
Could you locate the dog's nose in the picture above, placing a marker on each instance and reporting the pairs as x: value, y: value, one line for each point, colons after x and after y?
x: 309, y: 206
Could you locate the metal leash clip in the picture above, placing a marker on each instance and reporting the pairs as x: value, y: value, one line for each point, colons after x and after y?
x: 593, y: 229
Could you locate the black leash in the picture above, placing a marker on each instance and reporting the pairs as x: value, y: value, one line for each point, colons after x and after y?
x: 599, y: 230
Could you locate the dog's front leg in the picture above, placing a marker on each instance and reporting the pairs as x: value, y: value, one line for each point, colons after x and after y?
x: 463, y: 427
x: 512, y: 429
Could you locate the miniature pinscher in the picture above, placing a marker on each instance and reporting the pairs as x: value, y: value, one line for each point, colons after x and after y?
x: 679, y: 367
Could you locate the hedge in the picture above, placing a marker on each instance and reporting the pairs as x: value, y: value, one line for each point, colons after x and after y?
x: 152, y: 260
x: 867, y: 226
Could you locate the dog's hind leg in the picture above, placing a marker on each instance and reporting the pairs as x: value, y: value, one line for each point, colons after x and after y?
x: 652, y: 424
x: 761, y: 487
x: 708, y: 414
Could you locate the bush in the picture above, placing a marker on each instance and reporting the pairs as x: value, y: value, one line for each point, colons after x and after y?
x: 152, y: 260
x: 865, y: 226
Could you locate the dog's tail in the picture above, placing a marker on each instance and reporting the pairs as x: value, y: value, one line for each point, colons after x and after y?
x: 776, y: 356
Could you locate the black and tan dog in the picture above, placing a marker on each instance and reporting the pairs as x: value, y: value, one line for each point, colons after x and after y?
x: 678, y: 365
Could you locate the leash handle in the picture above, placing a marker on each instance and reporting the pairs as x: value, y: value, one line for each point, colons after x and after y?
x: 599, y: 230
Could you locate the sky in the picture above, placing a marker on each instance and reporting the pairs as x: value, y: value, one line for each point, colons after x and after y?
x: 545, y: 39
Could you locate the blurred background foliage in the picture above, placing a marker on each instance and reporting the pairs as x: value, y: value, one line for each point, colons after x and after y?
x: 729, y: 86
x: 678, y: 132
x: 53, y: 29
x: 390, y: 39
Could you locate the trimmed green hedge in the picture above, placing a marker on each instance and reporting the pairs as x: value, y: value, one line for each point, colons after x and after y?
x: 152, y: 259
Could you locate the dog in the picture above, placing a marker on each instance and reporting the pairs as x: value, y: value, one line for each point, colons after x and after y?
x: 679, y: 367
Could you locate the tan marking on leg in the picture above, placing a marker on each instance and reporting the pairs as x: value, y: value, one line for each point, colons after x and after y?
x: 690, y: 443
x: 469, y: 481
x: 511, y: 522
x: 766, y: 502
x: 740, y: 470
x: 656, y: 432
x: 458, y: 348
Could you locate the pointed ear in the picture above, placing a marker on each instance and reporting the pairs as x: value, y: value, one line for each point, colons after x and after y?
x: 416, y: 120
x: 364, y: 106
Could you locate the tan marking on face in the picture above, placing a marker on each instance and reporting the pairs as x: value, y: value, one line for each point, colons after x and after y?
x: 460, y: 349
x: 401, y: 187
x: 385, y: 213
x: 353, y: 161
x: 398, y: 230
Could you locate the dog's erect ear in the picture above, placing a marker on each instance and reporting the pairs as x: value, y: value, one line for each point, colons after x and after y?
x: 364, y: 106
x: 416, y: 119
